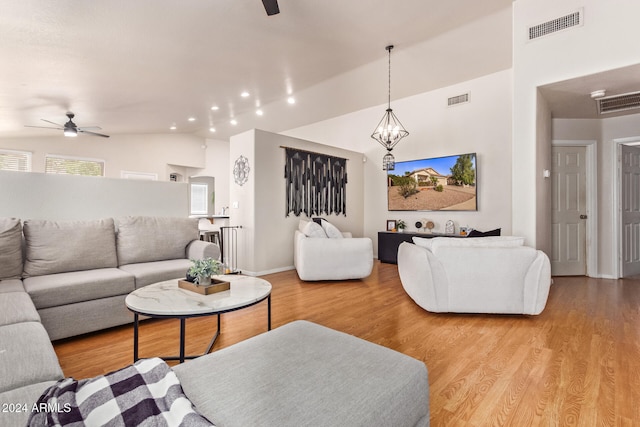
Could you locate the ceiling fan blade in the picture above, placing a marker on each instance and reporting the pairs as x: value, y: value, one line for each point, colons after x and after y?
x: 49, y: 121
x: 271, y: 6
x: 93, y: 133
x: 42, y: 127
x: 83, y: 128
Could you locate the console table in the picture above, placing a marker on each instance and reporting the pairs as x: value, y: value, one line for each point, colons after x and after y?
x: 388, y: 242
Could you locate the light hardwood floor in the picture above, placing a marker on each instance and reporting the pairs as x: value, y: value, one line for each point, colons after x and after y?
x: 577, y: 364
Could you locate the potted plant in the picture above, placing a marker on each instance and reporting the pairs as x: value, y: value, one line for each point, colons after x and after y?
x: 401, y: 225
x: 201, y: 270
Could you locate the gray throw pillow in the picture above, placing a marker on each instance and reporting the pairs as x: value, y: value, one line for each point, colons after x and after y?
x: 63, y: 246
x: 147, y: 239
x: 10, y: 248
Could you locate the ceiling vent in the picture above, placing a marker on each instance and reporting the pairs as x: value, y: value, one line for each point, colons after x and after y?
x: 457, y: 100
x: 559, y: 24
x: 617, y: 103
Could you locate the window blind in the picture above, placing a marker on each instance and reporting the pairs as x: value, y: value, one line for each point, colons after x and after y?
x: 74, y: 166
x: 15, y: 161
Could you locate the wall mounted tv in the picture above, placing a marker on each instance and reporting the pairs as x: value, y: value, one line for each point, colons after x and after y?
x: 436, y: 184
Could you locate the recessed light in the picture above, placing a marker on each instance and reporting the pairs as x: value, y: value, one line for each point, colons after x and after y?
x: 233, y: 122
x: 173, y: 128
x: 244, y: 94
x: 259, y: 112
x: 215, y: 108
x: 291, y: 100
x: 192, y: 119
x: 212, y: 130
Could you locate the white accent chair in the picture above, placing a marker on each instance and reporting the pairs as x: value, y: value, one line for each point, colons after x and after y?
x: 479, y: 275
x: 324, y: 258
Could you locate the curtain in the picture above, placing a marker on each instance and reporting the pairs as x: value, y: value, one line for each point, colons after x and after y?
x: 315, y: 183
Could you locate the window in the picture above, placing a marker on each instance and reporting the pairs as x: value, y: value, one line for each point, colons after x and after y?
x: 73, y: 166
x: 15, y: 160
x: 141, y: 176
x: 199, y: 199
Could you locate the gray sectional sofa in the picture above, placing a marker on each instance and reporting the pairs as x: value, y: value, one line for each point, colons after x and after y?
x: 300, y: 374
x: 84, y: 269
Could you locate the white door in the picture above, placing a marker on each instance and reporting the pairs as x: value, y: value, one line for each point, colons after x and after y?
x: 569, y: 172
x: 630, y: 209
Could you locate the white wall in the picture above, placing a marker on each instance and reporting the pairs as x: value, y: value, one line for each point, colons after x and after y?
x: 153, y: 153
x: 266, y: 238
x: 482, y: 126
x: 68, y: 197
x: 606, y: 41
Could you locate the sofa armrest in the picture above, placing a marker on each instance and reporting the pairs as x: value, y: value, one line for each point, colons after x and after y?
x: 537, y: 282
x: 199, y: 249
x: 423, y: 277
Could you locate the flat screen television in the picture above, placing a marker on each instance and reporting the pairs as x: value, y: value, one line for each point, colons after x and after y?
x: 436, y: 184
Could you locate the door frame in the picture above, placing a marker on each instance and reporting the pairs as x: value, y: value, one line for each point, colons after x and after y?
x: 617, y: 212
x: 591, y: 229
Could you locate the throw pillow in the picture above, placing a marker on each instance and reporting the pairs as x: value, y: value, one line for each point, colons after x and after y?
x: 476, y: 233
x: 311, y: 229
x: 331, y: 230
x: 11, y: 244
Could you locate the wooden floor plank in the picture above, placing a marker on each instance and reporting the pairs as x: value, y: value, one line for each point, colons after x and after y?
x: 578, y: 363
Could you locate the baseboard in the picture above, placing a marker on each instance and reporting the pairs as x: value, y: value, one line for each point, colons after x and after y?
x: 264, y: 272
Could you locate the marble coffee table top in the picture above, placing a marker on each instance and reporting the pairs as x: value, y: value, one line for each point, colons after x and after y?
x: 167, y: 299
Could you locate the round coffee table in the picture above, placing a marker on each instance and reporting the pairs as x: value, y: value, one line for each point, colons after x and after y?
x: 167, y: 300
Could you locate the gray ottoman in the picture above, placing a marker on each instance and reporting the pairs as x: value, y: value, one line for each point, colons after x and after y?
x: 303, y: 374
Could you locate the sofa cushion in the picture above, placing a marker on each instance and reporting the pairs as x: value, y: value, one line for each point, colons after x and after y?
x: 11, y: 244
x: 423, y: 242
x: 477, y: 242
x: 67, y: 288
x: 61, y: 246
x: 147, y: 273
x: 145, y: 239
x: 11, y: 285
x: 21, y: 400
x: 331, y: 230
x: 302, y: 374
x: 26, y: 356
x: 16, y: 307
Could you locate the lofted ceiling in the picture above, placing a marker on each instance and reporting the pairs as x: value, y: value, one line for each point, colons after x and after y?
x: 142, y: 66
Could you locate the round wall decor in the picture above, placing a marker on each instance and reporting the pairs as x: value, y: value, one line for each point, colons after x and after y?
x: 241, y: 170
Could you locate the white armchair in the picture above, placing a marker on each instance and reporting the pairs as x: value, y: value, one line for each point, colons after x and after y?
x: 469, y: 277
x: 323, y: 258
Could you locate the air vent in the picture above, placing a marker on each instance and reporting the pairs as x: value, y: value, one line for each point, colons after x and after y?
x: 456, y: 100
x: 616, y: 103
x: 563, y: 23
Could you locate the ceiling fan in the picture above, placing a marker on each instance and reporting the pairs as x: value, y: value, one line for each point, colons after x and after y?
x: 271, y: 6
x: 70, y: 128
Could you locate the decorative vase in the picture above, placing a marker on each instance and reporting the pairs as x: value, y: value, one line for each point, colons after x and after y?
x: 204, y: 281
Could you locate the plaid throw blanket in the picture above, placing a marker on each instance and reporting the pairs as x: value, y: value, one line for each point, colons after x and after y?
x: 146, y: 393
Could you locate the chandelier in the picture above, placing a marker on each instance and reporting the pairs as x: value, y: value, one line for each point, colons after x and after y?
x: 389, y: 131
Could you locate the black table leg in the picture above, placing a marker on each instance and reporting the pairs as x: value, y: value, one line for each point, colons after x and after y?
x: 182, y: 339
x: 269, y: 313
x: 215, y: 337
x: 135, y: 337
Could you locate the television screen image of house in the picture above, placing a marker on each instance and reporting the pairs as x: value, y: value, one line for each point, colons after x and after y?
x: 435, y: 184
